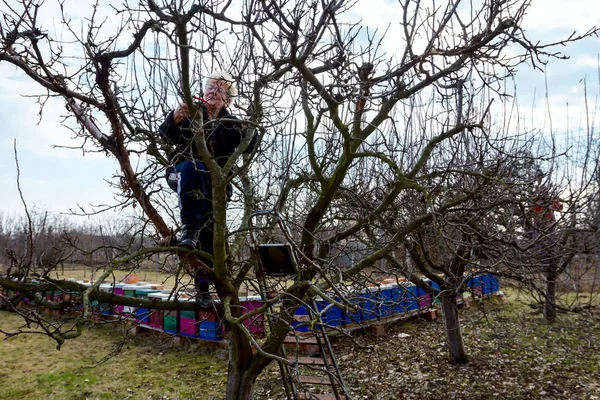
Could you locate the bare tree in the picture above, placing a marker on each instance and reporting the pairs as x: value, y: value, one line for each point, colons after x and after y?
x: 351, y: 132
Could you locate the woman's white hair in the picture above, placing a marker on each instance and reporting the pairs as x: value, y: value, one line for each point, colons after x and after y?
x: 226, y: 79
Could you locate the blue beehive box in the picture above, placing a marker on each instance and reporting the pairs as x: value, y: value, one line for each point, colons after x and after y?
x: 105, y: 308
x: 477, y: 285
x: 332, y: 316
x: 301, y: 322
x: 390, y: 300
x: 494, y: 283
x: 353, y: 316
x: 142, y: 314
x: 369, y: 309
x: 432, y: 297
x: 403, y: 302
x: 490, y: 284
x: 411, y: 299
x: 432, y: 284
x: 210, y: 330
x: 486, y: 283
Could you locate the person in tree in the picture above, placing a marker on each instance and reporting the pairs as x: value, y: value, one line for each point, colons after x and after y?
x: 188, y: 174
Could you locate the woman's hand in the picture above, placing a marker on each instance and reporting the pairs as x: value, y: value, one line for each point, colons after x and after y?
x: 180, y: 114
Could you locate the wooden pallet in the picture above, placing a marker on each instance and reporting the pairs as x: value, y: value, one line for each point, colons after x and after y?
x: 303, y: 396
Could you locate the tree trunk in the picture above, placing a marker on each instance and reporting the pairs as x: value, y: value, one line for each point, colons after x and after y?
x: 240, y: 383
x: 452, y: 323
x: 243, y: 368
x: 549, y: 262
x: 550, y: 297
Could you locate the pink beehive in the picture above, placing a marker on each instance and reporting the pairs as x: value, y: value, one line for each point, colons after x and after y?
x: 255, y: 324
x: 156, y: 319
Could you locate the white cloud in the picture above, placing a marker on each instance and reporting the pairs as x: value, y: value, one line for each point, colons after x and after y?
x: 20, y: 118
x: 583, y: 61
x: 554, y: 15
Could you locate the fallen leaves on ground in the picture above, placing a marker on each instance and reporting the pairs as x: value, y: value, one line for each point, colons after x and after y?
x: 513, y: 355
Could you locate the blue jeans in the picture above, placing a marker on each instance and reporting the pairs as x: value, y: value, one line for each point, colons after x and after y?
x: 195, y: 193
x: 193, y: 185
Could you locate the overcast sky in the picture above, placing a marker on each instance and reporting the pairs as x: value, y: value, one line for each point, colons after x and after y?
x: 59, y: 179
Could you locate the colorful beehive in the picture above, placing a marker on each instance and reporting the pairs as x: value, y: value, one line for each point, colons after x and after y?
x: 49, y: 295
x: 432, y: 298
x: 411, y: 297
x: 331, y: 314
x: 28, y: 300
x: 8, y: 293
x: 119, y: 291
x: 61, y: 295
x: 76, y: 297
x: 69, y: 295
x: 255, y: 324
x: 156, y: 317
x: 495, y: 284
x: 105, y: 308
x: 58, y: 296
x: 353, y: 315
x: 3, y: 296
x: 189, y: 324
x: 403, y: 299
x: 489, y: 284
x: 302, y: 319
x: 369, y: 307
x: 210, y: 326
x: 142, y: 314
x: 171, y: 321
x: 172, y: 318
x: 424, y: 298
x: 390, y: 299
x: 129, y: 291
x: 486, y: 284
x: 476, y: 284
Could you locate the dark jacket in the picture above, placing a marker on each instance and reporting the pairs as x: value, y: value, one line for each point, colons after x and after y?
x: 222, y: 138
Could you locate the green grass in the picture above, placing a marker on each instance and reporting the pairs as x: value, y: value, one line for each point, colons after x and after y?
x: 149, y: 275
x: 80, y: 272
x: 147, y: 367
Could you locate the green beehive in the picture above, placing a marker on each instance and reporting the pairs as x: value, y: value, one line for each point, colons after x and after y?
x: 188, y: 314
x: 144, y: 292
x: 129, y: 290
x: 171, y: 322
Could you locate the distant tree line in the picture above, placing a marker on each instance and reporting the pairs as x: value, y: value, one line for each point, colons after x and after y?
x: 52, y: 241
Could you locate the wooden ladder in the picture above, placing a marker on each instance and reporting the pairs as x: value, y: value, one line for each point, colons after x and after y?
x: 319, y: 368
x: 278, y: 260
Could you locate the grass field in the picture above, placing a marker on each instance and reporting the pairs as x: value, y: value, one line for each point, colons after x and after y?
x: 150, y: 275
x: 80, y: 272
x: 146, y: 367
